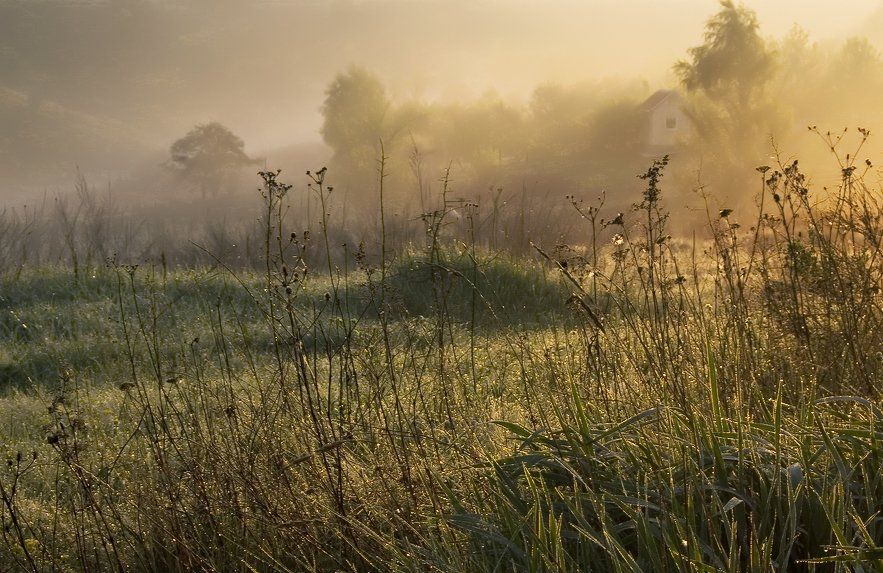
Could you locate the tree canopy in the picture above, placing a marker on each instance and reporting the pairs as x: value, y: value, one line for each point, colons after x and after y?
x: 733, y: 63
x: 726, y: 79
x: 354, y: 113
x: 207, y: 153
x: 209, y: 145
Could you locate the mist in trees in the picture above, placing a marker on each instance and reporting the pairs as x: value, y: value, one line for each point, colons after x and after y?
x: 747, y: 94
x: 516, y: 110
x: 727, y: 79
x: 566, y: 135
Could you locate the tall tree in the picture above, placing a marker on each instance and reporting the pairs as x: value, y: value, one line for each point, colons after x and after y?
x: 355, y: 112
x: 726, y: 78
x: 733, y: 65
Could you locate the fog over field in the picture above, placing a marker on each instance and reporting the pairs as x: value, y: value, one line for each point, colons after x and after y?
x: 107, y: 86
x: 448, y: 286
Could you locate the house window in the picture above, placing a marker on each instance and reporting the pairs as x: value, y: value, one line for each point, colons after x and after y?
x: 671, y: 122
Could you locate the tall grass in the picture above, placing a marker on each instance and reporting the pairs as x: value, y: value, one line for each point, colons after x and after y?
x: 641, y: 402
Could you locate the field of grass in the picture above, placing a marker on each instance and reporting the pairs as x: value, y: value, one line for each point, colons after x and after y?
x: 643, y: 404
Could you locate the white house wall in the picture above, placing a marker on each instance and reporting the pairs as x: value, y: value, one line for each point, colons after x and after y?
x: 660, y: 134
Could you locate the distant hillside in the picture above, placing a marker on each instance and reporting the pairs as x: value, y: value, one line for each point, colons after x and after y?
x: 43, y: 142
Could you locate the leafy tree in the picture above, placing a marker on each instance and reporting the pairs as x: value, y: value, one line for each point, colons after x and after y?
x: 354, y: 111
x: 829, y: 87
x: 357, y: 117
x: 859, y: 59
x: 482, y: 133
x: 733, y: 64
x: 615, y: 138
x: 726, y: 78
x: 852, y: 84
x: 589, y: 132
x: 207, y: 154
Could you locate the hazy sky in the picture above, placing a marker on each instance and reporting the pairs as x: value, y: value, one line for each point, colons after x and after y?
x: 820, y: 17
x: 148, y: 69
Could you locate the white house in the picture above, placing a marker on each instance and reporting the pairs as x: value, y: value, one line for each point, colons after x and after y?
x: 667, y: 122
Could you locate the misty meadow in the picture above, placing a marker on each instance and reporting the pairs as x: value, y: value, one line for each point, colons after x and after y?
x: 392, y: 285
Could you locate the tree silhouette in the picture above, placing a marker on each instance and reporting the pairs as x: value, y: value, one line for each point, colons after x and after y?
x: 207, y: 154
x: 354, y: 111
x: 726, y: 78
x: 733, y: 64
